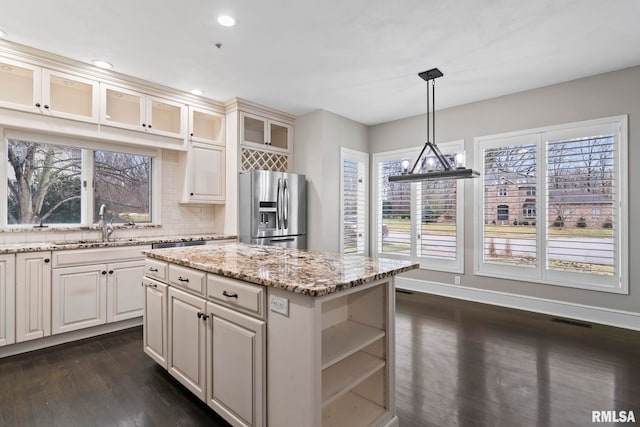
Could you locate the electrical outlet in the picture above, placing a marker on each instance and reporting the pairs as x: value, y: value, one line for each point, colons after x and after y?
x: 456, y: 280
x: 279, y: 305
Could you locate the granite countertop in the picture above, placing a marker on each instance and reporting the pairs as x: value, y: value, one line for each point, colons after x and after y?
x: 300, y: 271
x: 90, y: 243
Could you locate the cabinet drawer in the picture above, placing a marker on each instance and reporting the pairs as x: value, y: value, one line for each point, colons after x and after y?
x: 156, y: 269
x: 187, y: 278
x: 236, y: 294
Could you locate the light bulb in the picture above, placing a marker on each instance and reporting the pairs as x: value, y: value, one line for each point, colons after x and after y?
x: 460, y: 161
x: 405, y: 166
x: 430, y: 163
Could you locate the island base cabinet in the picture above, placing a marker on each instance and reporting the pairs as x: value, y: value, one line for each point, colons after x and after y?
x: 337, y: 353
x: 154, y: 329
x: 187, y: 328
x: 236, y: 362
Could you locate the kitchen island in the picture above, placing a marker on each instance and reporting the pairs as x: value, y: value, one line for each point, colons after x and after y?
x: 274, y: 336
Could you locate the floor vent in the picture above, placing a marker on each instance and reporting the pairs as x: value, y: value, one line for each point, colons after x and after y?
x: 571, y: 322
x: 402, y: 291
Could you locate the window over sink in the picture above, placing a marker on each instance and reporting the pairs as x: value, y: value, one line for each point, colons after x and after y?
x: 54, y: 180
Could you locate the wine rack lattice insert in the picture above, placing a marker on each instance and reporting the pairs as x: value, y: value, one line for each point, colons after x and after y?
x: 264, y: 160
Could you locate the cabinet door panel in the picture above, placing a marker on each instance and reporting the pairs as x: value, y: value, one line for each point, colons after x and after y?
x: 124, y: 294
x: 206, y: 173
x: 70, y: 97
x: 78, y: 298
x: 122, y: 108
x: 236, y: 363
x: 7, y: 300
x: 186, y: 355
x: 20, y: 86
x: 155, y: 321
x: 33, y: 296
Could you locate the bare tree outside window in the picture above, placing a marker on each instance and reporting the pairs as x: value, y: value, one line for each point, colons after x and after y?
x: 43, y: 183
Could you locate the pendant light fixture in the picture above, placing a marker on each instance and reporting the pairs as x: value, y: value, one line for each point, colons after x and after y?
x: 448, y: 171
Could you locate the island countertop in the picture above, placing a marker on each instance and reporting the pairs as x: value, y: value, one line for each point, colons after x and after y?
x: 305, y: 272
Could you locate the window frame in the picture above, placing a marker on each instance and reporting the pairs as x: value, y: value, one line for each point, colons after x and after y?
x: 619, y: 282
x: 447, y: 266
x: 87, y: 146
x: 355, y: 156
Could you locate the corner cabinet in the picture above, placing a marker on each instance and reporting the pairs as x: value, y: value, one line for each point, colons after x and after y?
x: 33, y: 295
x: 204, y: 163
x: 129, y: 109
x: 39, y: 90
x: 7, y: 299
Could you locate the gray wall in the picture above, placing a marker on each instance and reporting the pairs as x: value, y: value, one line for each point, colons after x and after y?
x: 609, y: 94
x: 319, y: 136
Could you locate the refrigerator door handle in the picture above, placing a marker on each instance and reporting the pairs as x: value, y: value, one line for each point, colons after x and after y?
x: 278, y: 205
x: 285, y: 203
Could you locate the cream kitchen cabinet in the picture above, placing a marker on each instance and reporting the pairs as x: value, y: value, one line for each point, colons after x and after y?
x: 205, y: 174
x: 40, y: 90
x: 206, y: 126
x: 154, y: 329
x: 267, y: 133
x: 186, y: 356
x: 129, y: 109
x: 7, y: 299
x: 96, y: 294
x: 33, y: 295
x: 236, y: 349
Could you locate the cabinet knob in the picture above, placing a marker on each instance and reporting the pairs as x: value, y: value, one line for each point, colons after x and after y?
x: 46, y: 260
x: 144, y: 125
x: 200, y: 314
x: 191, y: 194
x: 110, y: 271
x: 38, y: 104
x: 149, y: 126
x: 191, y: 134
x: 205, y: 316
x: 103, y: 272
x: 46, y: 107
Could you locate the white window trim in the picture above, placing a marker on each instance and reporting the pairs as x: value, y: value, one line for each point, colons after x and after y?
x: 619, y: 284
x: 446, y: 266
x: 356, y: 156
x: 86, y: 214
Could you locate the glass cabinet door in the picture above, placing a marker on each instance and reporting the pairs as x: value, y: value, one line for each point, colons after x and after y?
x: 122, y: 108
x: 70, y: 96
x: 206, y: 126
x: 279, y: 135
x: 253, y: 128
x: 20, y: 86
x: 165, y: 117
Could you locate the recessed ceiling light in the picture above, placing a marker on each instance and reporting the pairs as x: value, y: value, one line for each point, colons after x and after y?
x: 197, y: 91
x: 102, y: 64
x: 226, y: 21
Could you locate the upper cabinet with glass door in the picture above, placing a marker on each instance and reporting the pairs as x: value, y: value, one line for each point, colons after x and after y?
x: 267, y: 133
x: 206, y: 126
x: 133, y: 110
x: 39, y: 90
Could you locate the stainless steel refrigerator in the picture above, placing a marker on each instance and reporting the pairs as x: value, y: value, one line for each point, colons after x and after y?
x: 273, y: 209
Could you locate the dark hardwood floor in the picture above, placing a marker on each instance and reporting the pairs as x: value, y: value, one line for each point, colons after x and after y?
x: 458, y: 364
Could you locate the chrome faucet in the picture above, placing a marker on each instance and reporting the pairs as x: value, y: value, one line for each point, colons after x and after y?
x: 107, y: 229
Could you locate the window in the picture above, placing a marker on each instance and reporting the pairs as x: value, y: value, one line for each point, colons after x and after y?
x: 503, y: 213
x: 420, y: 221
x: 354, y: 211
x: 569, y: 173
x: 502, y: 191
x: 56, y: 183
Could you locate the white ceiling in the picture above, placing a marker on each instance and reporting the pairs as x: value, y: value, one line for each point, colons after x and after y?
x: 356, y: 58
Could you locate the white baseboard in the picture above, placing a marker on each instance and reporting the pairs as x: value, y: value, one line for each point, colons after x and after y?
x: 52, y: 340
x: 587, y: 313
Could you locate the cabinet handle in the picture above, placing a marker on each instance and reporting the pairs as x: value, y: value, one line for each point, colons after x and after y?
x: 103, y: 272
x: 205, y: 316
x: 46, y: 260
x: 182, y: 279
x: 229, y: 295
x: 46, y: 107
x: 155, y: 270
x: 38, y: 104
x: 110, y: 271
x: 152, y: 285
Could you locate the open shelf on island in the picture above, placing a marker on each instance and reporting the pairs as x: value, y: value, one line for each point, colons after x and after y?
x: 351, y: 410
x: 348, y: 373
x: 346, y: 338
